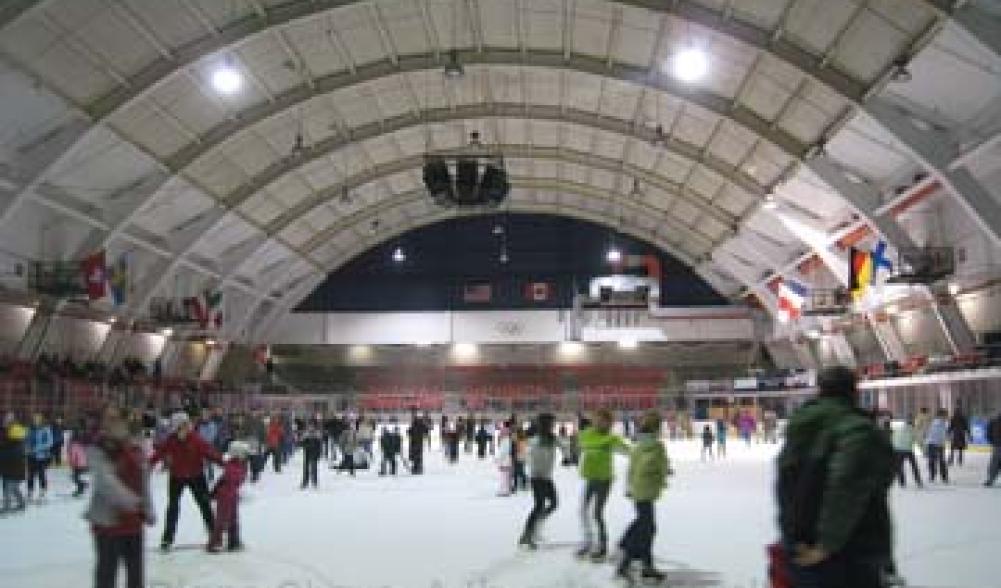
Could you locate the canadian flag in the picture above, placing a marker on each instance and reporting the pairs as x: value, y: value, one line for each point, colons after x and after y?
x: 538, y: 291
x: 95, y: 275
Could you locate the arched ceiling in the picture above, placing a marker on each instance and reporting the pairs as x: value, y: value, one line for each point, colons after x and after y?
x: 119, y: 131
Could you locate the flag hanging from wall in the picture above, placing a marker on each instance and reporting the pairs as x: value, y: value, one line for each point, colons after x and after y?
x: 538, y: 291
x: 118, y: 279
x: 792, y: 295
x: 477, y: 292
x: 880, y: 261
x: 206, y: 308
x: 860, y: 273
x: 94, y: 275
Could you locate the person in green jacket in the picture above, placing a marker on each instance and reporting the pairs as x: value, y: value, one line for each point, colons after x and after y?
x: 597, y: 445
x: 649, y: 467
x: 834, y: 474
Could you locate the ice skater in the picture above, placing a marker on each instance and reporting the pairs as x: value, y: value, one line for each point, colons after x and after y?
x: 721, y: 433
x: 12, y: 464
x: 481, y: 440
x: 597, y: 447
x: 903, y: 447
x: 541, y: 459
x: 649, y: 468
x: 390, y: 446
x: 935, y: 442
x: 185, y: 453
x: 312, y: 449
x: 959, y: 436
x: 226, y: 493
x: 707, y: 442
x: 416, y: 435
x: 504, y: 462
x: 993, y: 434
x: 76, y: 458
x: 38, y: 448
x: 120, y: 503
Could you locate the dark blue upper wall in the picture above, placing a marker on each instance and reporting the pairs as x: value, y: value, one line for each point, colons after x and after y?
x: 442, y: 258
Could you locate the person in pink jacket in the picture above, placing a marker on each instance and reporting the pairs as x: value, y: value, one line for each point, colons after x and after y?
x: 227, y: 496
x: 76, y: 458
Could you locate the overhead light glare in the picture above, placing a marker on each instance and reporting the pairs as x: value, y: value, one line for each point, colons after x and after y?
x: 954, y: 288
x: 398, y: 255
x: 571, y: 348
x: 613, y: 255
x: 813, y: 334
x: 690, y: 65
x: 227, y: 80
x: 770, y: 203
x: 628, y: 343
x: 167, y: 332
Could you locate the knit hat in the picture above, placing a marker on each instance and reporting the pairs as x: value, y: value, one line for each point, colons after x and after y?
x: 178, y: 419
x: 238, y: 449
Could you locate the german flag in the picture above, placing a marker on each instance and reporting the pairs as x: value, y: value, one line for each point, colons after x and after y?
x: 860, y: 272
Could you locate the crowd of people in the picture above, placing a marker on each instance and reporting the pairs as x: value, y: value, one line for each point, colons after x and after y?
x: 835, y: 468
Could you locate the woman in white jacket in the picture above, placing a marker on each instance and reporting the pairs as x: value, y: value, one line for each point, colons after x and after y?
x: 903, y: 445
x: 504, y: 460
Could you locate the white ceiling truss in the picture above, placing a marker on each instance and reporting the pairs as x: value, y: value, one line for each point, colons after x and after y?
x: 570, y: 92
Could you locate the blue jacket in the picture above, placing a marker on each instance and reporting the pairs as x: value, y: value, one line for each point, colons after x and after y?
x: 38, y: 443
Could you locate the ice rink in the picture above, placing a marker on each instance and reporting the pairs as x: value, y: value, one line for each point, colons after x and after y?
x: 448, y: 529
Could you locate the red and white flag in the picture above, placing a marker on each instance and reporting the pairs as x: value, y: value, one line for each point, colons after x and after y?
x: 95, y: 275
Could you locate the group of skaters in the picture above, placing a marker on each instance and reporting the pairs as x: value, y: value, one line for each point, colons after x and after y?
x: 834, y: 534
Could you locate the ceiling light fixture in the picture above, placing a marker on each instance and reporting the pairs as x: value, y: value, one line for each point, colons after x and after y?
x: 954, y: 288
x: 770, y: 203
x: 690, y: 65
x: 227, y: 79
x: 398, y: 255
x: 504, y: 257
x: 613, y: 255
x: 813, y: 334
x: 628, y: 343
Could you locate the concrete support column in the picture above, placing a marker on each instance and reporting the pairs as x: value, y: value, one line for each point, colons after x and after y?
x: 212, y: 362
x: 889, y: 341
x: 37, y: 331
x: 957, y: 331
x: 842, y: 349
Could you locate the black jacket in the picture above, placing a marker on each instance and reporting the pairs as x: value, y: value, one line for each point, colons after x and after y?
x: 312, y: 444
x: 11, y: 458
x: 390, y: 443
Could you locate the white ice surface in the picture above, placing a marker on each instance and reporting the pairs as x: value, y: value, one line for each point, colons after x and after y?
x: 448, y: 529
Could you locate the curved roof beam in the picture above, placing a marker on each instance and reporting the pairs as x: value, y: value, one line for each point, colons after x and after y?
x: 560, y: 154
x: 611, y: 199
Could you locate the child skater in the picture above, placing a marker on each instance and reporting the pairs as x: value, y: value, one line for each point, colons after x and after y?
x: 707, y: 442
x: 76, y: 457
x: 541, y: 459
x: 504, y: 459
x: 648, y: 471
x: 227, y: 496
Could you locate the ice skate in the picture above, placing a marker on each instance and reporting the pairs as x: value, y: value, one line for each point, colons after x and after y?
x: 652, y: 576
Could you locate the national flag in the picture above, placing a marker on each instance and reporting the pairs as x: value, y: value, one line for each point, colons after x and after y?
x: 206, y: 308
x: 478, y: 292
x: 118, y: 279
x: 860, y: 272
x: 792, y: 295
x: 880, y: 260
x: 94, y: 275
x: 538, y: 291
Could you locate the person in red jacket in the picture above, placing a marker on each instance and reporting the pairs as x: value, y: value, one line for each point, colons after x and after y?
x: 276, y: 433
x: 119, y: 504
x: 185, y: 453
x: 227, y: 496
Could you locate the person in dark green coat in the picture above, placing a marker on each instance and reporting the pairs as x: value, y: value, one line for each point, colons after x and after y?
x: 648, y: 471
x: 834, y: 474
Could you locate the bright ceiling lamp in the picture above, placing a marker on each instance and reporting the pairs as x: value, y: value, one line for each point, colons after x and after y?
x: 465, y: 350
x: 690, y: 65
x: 770, y: 203
x: 227, y: 79
x: 571, y: 348
x: 628, y: 343
x: 398, y: 255
x: 613, y: 255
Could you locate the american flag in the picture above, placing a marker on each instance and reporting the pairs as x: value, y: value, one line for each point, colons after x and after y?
x: 477, y: 292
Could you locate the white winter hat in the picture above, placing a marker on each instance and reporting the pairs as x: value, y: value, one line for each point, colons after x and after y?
x: 178, y: 419
x: 238, y: 449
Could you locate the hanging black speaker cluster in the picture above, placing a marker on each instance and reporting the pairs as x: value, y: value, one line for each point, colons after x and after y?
x: 474, y: 182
